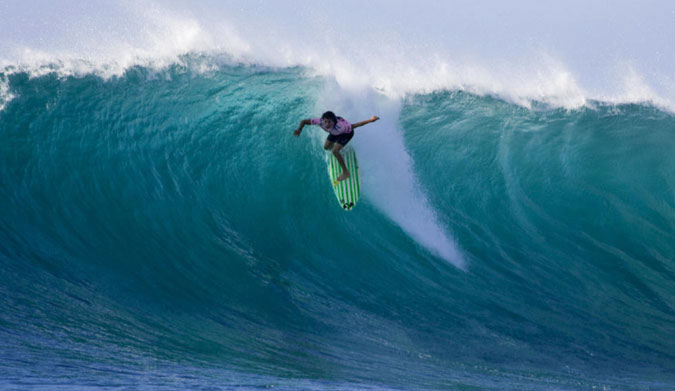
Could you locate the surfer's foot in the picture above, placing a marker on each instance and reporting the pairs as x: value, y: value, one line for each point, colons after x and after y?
x: 342, y: 177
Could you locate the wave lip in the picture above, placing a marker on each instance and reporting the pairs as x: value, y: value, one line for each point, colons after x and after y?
x: 428, y: 54
x: 5, y: 94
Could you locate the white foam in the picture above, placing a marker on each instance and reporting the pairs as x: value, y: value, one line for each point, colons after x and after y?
x: 632, y: 87
x: 5, y: 94
x: 522, y: 52
x: 146, y: 34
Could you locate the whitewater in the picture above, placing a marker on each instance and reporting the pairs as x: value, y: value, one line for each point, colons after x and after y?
x: 161, y: 228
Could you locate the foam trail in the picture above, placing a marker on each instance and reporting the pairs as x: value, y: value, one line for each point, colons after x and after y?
x: 388, y: 176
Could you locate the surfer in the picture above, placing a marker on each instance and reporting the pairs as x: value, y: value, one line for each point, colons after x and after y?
x: 340, y: 132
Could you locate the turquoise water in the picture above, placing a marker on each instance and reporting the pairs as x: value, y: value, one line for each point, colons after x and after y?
x: 163, y: 229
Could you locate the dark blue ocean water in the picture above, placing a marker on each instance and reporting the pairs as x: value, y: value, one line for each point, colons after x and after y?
x: 163, y: 229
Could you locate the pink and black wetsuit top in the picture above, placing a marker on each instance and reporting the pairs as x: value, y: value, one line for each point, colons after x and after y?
x: 341, y: 133
x: 341, y: 127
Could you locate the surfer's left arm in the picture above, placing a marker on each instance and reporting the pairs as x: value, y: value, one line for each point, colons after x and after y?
x: 366, y: 122
x: 302, y: 125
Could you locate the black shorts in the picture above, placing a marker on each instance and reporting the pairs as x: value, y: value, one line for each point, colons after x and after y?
x: 341, y: 139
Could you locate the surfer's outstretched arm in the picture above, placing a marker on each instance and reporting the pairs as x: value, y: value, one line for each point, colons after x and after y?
x: 366, y: 122
x: 302, y: 125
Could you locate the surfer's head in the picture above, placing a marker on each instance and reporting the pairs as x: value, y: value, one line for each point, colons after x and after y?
x: 328, y: 119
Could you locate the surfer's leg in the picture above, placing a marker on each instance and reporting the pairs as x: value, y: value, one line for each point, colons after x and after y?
x: 328, y: 145
x: 341, y: 160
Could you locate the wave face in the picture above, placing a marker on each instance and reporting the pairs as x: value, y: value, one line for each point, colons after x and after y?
x: 163, y: 229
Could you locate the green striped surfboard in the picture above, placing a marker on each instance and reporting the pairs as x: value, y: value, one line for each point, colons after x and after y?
x: 347, y: 192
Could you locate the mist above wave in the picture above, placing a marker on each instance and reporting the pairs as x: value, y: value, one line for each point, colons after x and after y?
x: 522, y: 52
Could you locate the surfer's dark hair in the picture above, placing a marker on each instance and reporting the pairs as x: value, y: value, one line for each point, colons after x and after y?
x: 329, y: 115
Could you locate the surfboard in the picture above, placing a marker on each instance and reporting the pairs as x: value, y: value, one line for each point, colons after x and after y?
x: 348, y: 191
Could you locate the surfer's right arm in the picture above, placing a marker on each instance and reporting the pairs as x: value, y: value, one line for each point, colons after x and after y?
x: 302, y: 125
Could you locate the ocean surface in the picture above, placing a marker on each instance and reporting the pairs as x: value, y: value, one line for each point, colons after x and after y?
x: 161, y: 228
